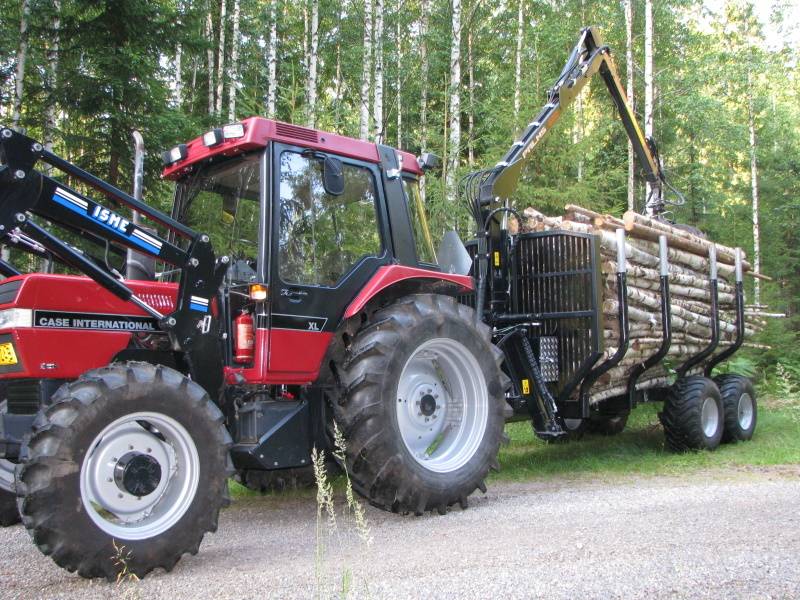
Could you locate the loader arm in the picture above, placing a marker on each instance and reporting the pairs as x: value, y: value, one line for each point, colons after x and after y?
x: 588, y: 57
x: 26, y: 193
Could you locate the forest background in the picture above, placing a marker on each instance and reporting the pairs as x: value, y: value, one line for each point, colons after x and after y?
x: 715, y: 82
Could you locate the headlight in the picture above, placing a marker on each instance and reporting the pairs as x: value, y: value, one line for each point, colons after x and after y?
x: 16, y: 317
x: 212, y: 138
x: 234, y: 130
x: 177, y: 153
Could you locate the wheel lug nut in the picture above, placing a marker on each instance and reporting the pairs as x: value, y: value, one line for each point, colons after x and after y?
x: 130, y: 447
x: 119, y: 495
x: 109, y: 480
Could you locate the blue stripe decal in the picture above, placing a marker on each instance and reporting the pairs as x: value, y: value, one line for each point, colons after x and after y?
x: 80, y: 211
x: 198, y: 307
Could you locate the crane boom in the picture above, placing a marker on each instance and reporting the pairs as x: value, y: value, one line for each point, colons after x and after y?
x: 588, y: 57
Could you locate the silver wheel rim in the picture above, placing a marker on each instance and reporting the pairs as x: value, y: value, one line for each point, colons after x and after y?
x: 709, y: 417
x: 119, y: 512
x: 442, y: 405
x: 744, y: 411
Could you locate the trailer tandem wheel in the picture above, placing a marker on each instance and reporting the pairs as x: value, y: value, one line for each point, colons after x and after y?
x: 422, y: 410
x: 740, y: 406
x: 693, y: 415
x: 126, y: 471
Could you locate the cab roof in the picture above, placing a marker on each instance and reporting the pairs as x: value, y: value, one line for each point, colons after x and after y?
x: 258, y: 132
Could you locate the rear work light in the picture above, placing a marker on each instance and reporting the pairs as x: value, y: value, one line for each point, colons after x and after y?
x: 212, y: 138
x: 170, y: 157
x: 233, y: 131
x: 16, y: 317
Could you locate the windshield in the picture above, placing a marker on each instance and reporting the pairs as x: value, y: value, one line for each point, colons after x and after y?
x: 222, y: 201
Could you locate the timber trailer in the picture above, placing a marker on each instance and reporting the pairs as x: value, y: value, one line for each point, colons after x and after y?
x: 300, y: 292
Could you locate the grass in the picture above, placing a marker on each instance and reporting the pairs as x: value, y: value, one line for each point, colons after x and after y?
x: 640, y: 450
x: 637, y: 450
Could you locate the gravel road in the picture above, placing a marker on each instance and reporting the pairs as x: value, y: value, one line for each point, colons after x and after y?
x: 721, y: 534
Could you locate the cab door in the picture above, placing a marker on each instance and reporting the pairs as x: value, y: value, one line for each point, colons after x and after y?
x: 325, y: 247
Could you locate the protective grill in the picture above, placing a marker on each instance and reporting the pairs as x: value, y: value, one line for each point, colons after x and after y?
x: 556, y: 276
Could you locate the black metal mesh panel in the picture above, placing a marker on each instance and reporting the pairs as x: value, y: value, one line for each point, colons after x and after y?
x: 556, y: 276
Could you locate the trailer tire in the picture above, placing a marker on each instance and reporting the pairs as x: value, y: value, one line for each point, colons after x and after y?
x: 740, y: 406
x: 693, y: 415
x: 85, y: 510
x: 397, y: 414
x: 608, y: 425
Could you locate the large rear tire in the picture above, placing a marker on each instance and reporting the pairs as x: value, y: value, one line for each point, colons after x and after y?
x: 740, y: 406
x: 9, y: 514
x: 693, y: 416
x: 125, y: 472
x: 422, y: 410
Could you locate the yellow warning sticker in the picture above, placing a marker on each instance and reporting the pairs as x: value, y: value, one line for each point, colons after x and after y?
x: 496, y: 259
x: 526, y: 387
x: 7, y: 354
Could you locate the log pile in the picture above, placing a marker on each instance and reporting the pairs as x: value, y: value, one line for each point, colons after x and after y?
x: 689, y: 289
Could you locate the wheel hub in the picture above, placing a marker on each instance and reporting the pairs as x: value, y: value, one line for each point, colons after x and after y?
x: 709, y: 416
x: 137, y: 474
x: 427, y: 405
x: 745, y: 411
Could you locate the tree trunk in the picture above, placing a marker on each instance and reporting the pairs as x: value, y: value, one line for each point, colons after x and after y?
x: 648, y: 79
x: 210, y: 60
x: 272, y: 59
x: 311, y: 90
x: 518, y: 65
x: 52, y: 77
x: 366, y: 72
x: 451, y: 181
x: 398, y: 89
x: 751, y: 123
x: 234, y: 78
x: 629, y: 70
x: 223, y: 17
x: 178, y: 91
x: 377, y: 107
x: 471, y: 97
x: 423, y: 101
x: 22, y: 55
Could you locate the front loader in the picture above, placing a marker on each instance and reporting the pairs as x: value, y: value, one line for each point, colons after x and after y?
x: 299, y: 292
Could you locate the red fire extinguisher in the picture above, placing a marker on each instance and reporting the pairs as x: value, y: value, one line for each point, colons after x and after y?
x: 244, y: 341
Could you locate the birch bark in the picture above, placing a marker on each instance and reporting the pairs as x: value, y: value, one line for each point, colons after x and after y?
x: 451, y: 181
x: 630, y: 83
x: 366, y: 72
x: 648, y: 78
x: 233, y: 81
x: 751, y: 124
x: 272, y: 59
x: 52, y: 77
x: 377, y: 106
x: 311, y: 90
x: 223, y: 18
x: 22, y: 55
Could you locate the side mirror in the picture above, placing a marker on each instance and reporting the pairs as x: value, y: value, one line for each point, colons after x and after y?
x: 429, y: 161
x: 333, y: 176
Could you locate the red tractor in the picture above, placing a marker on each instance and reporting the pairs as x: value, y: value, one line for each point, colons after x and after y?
x: 300, y: 290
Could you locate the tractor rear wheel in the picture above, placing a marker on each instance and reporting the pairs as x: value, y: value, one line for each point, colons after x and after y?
x: 9, y: 514
x: 422, y: 408
x: 741, y: 409
x: 693, y: 416
x: 125, y: 472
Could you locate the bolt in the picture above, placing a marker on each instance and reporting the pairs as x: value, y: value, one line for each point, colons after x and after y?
x: 204, y: 239
x: 130, y: 447
x: 109, y: 480
x: 427, y: 419
x: 430, y: 390
x: 421, y: 393
x: 436, y: 396
x: 149, y: 450
x: 225, y: 260
x: 19, y: 218
x: 7, y: 133
x: 171, y: 322
x: 119, y: 496
x: 19, y: 174
x: 399, y: 399
x: 2, y: 227
x: 113, y: 459
x: 194, y: 262
x: 417, y: 402
x: 37, y: 147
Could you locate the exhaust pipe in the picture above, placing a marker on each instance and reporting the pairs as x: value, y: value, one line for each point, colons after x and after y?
x: 137, y: 265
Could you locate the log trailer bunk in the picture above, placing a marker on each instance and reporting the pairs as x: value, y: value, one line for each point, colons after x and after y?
x: 128, y: 403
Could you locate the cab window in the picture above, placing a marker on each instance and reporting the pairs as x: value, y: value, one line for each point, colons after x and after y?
x: 322, y: 236
x: 419, y: 223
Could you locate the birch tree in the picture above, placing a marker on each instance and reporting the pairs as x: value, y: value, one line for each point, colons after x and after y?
x: 630, y: 82
x: 51, y: 80
x: 648, y: 79
x: 518, y: 64
x: 210, y: 60
x: 366, y: 73
x: 22, y: 55
x: 223, y: 18
x: 377, y: 107
x: 751, y: 126
x: 313, y: 58
x: 233, y: 81
x: 178, y: 96
x: 398, y: 88
x: 454, y: 103
x: 272, y: 59
x: 423, y: 101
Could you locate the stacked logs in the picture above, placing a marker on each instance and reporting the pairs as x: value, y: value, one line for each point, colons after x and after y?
x: 689, y: 269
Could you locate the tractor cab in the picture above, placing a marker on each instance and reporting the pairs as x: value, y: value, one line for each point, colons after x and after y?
x: 307, y: 219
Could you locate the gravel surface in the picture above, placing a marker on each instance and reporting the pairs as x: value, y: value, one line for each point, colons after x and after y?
x: 722, y: 534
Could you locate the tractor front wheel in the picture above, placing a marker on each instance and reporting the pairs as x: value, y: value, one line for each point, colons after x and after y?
x: 126, y: 471
x: 422, y: 410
